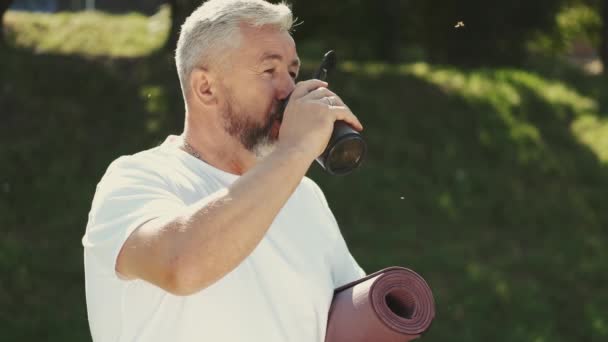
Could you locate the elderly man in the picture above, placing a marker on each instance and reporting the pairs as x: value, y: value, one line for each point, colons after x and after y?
x: 217, y: 235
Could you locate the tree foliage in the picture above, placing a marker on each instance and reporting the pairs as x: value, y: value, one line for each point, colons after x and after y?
x: 491, y: 32
x: 466, y: 33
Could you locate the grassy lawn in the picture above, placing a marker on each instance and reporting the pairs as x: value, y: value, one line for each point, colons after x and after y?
x: 491, y: 183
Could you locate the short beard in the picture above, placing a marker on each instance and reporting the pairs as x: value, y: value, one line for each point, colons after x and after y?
x: 254, y: 137
x: 264, y: 147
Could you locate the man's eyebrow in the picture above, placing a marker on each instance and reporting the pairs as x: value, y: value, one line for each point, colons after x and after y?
x: 267, y: 56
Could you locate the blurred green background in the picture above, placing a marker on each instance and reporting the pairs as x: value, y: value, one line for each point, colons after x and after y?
x: 487, y: 172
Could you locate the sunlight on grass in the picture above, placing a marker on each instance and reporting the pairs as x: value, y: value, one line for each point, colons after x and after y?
x: 503, y: 89
x: 593, y: 131
x: 89, y: 33
x: 554, y: 92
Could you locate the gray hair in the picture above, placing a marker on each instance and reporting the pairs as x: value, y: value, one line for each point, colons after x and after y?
x: 214, y: 26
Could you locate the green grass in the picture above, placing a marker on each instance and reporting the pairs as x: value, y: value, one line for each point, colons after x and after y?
x: 89, y: 33
x: 490, y: 183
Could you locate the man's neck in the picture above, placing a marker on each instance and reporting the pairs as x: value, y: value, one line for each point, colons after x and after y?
x: 218, y: 149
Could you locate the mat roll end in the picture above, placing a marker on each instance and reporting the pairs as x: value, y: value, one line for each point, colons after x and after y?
x: 394, y: 304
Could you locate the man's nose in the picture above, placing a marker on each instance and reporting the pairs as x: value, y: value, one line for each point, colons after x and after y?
x: 285, y: 88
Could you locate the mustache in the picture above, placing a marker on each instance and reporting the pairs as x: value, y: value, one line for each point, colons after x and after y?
x: 280, y: 107
x: 276, y: 112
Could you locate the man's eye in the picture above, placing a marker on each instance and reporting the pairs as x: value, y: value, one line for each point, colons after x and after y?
x: 293, y: 75
x: 269, y: 71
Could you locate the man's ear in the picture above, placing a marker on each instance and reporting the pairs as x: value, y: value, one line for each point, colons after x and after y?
x: 202, y: 87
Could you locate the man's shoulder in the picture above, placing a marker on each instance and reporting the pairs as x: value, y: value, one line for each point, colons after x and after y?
x: 311, y: 186
x: 148, y: 162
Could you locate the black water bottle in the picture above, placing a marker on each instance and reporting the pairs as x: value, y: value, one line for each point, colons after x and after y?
x: 346, y: 148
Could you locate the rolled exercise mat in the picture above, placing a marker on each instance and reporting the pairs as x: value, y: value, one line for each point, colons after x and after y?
x: 392, y: 305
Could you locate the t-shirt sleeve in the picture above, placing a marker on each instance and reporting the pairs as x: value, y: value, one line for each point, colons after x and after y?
x: 128, y: 196
x: 344, y: 267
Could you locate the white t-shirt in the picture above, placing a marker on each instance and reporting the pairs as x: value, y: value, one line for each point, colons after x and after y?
x: 280, y: 293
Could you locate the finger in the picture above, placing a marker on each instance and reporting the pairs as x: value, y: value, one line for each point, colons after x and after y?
x: 342, y: 113
x: 325, y: 96
x: 334, y: 101
x: 305, y: 87
x: 318, y: 93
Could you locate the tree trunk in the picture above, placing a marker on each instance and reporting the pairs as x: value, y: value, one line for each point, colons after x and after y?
x: 180, y: 10
x: 604, y: 35
x: 171, y: 42
x: 389, y: 43
x: 4, y: 5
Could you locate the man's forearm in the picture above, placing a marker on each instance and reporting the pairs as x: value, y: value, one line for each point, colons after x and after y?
x: 216, y: 236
